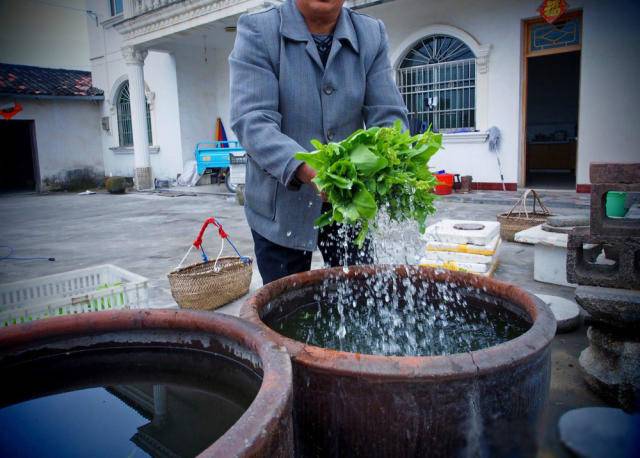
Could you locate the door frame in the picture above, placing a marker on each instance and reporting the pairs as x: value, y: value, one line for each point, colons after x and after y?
x: 34, y: 155
x: 524, y: 70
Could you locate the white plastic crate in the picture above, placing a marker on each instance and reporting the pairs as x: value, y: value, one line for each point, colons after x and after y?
x: 93, y: 289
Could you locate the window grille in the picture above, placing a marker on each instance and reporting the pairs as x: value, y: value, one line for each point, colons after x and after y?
x: 125, y: 130
x: 437, y: 80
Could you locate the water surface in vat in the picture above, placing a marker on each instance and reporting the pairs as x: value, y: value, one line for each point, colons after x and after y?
x: 394, y: 326
x: 151, y: 403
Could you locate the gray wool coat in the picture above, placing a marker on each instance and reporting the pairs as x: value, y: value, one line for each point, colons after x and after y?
x: 282, y: 97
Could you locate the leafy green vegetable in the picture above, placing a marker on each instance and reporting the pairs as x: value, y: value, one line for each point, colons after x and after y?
x: 381, y: 167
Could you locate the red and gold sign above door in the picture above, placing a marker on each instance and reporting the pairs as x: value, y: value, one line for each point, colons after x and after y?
x: 551, y: 10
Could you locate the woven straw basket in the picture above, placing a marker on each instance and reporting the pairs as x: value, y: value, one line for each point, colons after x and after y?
x: 200, y: 287
x: 515, y: 221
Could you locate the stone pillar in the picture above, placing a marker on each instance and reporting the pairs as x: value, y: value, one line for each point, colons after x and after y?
x: 609, y: 277
x: 134, y: 58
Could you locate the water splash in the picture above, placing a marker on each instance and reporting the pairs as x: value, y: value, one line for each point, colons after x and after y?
x: 391, y: 314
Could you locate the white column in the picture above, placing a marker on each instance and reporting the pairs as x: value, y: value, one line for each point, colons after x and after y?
x: 134, y: 58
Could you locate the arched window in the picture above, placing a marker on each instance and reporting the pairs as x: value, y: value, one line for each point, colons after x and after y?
x: 437, y: 80
x: 123, y: 104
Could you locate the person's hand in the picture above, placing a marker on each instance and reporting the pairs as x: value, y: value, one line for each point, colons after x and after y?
x: 305, y: 174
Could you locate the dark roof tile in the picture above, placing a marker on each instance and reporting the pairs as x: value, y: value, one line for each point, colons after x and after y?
x: 57, y: 82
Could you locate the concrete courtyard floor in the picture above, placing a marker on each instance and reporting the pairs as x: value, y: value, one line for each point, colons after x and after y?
x: 148, y: 233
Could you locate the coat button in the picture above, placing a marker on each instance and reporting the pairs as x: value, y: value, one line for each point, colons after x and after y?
x: 328, y: 90
x: 330, y: 135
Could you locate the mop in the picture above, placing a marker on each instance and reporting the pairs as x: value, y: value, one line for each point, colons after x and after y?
x: 494, y: 147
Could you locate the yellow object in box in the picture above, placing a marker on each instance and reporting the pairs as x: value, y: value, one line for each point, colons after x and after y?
x: 485, y: 270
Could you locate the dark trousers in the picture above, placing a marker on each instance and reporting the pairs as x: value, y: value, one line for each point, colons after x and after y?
x: 276, y: 261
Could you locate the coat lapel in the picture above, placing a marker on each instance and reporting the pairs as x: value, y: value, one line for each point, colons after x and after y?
x: 293, y: 27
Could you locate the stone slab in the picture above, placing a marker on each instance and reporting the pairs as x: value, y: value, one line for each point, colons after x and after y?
x: 600, y: 432
x: 444, y: 231
x: 550, y: 265
x: 612, y: 306
x: 559, y: 230
x: 535, y: 235
x: 614, y: 172
x: 566, y: 312
x: 625, y: 273
x: 601, y: 224
x: 485, y: 250
x: 568, y: 221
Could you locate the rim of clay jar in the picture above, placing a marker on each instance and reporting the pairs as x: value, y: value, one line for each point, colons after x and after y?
x: 247, y: 435
x: 459, y: 365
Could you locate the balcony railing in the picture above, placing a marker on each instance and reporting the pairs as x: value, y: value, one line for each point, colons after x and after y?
x: 133, y: 8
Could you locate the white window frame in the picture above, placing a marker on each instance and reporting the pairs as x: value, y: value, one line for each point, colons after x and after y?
x: 482, y: 69
x: 113, y: 10
x: 113, y: 115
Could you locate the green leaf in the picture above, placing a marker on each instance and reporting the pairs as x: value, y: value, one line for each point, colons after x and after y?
x: 366, y: 162
x: 362, y: 235
x: 365, y: 203
x: 375, y: 168
x: 315, y: 160
x: 340, y: 182
x: 323, y: 220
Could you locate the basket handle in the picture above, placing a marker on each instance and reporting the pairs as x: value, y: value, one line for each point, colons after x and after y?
x: 197, y: 243
x: 522, y: 201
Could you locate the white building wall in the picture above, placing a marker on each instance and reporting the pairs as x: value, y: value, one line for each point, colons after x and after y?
x: 491, y: 22
x: 67, y: 133
x: 203, y: 92
x: 610, y: 62
x: 44, y: 35
x: 191, y: 86
x: 609, y: 94
x: 109, y: 72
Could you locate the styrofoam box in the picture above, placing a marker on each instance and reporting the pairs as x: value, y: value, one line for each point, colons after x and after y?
x: 445, y: 231
x: 484, y: 250
x: 447, y: 256
x: 104, y: 287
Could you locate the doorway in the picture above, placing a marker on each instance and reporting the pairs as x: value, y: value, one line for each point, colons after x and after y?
x: 551, y: 105
x: 18, y: 156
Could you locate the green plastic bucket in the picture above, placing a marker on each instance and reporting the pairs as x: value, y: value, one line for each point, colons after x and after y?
x: 615, y: 204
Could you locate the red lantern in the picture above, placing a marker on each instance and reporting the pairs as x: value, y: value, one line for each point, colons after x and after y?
x: 8, y: 113
x: 551, y: 10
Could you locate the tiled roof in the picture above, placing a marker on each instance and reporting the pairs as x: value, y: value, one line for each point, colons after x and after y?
x: 40, y: 81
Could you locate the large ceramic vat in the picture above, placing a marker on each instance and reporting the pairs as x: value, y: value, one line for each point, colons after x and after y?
x: 480, y: 403
x: 103, y: 348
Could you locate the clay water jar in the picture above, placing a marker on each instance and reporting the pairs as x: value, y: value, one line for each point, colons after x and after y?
x: 265, y: 428
x: 480, y: 403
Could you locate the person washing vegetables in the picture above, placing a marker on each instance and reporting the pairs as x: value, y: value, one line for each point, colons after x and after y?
x: 304, y: 70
